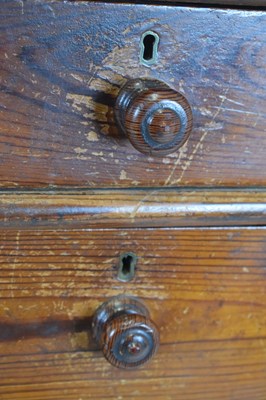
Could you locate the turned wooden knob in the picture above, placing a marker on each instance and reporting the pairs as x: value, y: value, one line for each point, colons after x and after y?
x: 125, y: 333
x: 156, y: 119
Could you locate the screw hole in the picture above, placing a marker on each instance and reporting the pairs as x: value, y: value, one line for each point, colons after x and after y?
x: 127, y: 265
x: 149, y: 48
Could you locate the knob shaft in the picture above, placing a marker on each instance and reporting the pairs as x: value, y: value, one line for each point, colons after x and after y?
x: 125, y: 333
x: 156, y: 119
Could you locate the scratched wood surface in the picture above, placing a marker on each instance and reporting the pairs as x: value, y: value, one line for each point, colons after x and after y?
x: 205, y: 288
x: 132, y: 208
x: 62, y: 65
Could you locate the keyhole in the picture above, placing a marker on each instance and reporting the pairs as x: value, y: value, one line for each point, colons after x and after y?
x: 148, y: 43
x: 127, y: 264
x: 149, y: 48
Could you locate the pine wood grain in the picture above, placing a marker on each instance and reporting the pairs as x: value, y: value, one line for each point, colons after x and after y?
x: 205, y: 288
x: 62, y: 65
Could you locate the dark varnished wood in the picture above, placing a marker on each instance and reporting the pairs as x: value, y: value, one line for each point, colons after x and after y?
x: 133, y: 208
x: 124, y: 331
x: 205, y: 288
x: 60, y: 80
x: 156, y: 119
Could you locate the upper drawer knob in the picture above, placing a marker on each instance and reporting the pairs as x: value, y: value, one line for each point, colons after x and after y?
x: 123, y: 329
x: 156, y: 119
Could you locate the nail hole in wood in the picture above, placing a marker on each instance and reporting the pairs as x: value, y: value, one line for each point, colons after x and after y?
x: 149, y: 48
x: 127, y: 265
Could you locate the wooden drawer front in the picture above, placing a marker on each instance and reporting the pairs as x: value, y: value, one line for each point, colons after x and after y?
x: 63, y: 64
x: 206, y: 289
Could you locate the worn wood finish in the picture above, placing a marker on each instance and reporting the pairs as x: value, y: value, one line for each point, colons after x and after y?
x: 205, y: 289
x: 62, y: 65
x: 133, y: 208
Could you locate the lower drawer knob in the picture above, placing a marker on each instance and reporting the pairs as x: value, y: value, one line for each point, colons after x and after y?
x: 124, y: 331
